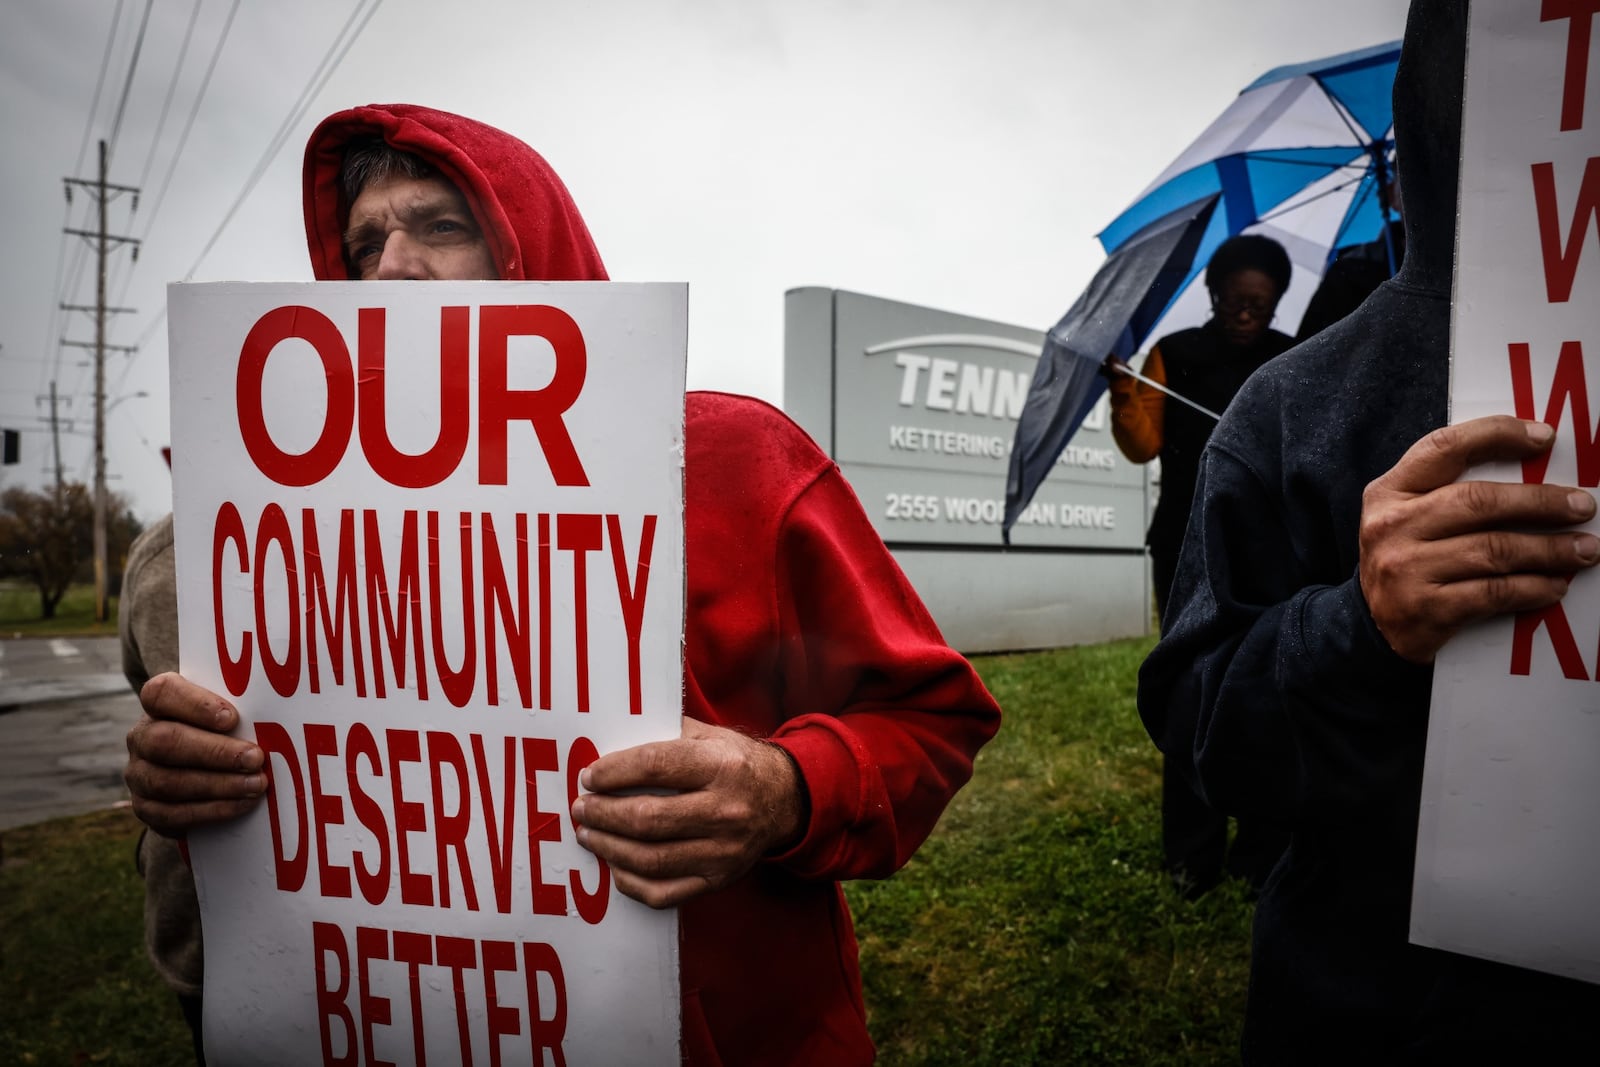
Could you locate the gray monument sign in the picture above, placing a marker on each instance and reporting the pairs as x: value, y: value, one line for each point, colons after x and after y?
x: 918, y: 407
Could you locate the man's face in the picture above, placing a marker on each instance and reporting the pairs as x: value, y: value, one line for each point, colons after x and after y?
x: 414, y: 229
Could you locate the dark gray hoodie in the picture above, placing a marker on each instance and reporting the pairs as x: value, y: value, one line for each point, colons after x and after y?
x: 1275, y: 685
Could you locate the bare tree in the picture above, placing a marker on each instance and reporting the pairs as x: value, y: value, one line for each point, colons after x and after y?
x: 46, y: 537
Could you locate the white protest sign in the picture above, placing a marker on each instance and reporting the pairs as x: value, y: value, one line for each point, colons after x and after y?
x: 1508, y: 849
x: 430, y: 542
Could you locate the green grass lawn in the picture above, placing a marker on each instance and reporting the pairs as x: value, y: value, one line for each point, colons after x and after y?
x: 1034, y: 927
x: 75, y: 986
x: 19, y: 612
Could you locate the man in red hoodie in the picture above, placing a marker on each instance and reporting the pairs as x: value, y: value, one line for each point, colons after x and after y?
x: 826, y: 722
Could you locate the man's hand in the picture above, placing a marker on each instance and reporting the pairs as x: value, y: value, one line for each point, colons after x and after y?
x: 736, y: 800
x: 183, y: 768
x: 1437, y: 554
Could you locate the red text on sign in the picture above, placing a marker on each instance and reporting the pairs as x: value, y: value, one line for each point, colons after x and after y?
x: 1580, y: 36
x: 326, y: 608
x: 459, y: 813
x: 350, y: 1037
x: 360, y: 398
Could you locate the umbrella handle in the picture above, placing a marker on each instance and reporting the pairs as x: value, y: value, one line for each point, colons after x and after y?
x: 1152, y: 383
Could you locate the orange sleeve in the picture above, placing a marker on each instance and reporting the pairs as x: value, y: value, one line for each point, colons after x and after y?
x: 1138, y: 411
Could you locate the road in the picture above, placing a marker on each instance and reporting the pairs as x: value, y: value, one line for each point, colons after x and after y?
x: 64, y: 711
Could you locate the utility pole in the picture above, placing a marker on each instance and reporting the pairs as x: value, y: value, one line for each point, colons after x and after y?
x: 55, y: 438
x: 102, y: 191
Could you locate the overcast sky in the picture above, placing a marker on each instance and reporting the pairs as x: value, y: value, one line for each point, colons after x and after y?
x: 954, y: 153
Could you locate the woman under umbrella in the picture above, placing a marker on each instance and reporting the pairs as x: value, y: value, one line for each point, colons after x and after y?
x: 1247, y: 276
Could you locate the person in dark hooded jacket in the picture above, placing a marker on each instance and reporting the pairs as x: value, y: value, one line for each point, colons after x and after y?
x: 826, y: 721
x: 1330, y: 553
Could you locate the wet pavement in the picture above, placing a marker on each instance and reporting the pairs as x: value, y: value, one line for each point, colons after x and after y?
x: 64, y: 712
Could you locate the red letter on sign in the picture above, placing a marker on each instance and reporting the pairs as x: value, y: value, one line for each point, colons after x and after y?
x: 346, y: 606
x: 580, y: 535
x: 375, y: 882
x: 459, y: 954
x: 415, y: 950
x: 1554, y: 620
x: 328, y: 940
x: 407, y: 602
x: 546, y: 1033
x: 437, y: 463
x: 410, y: 816
x: 274, y: 526
x: 498, y: 957
x: 497, y: 828
x: 1569, y: 385
x: 539, y: 754
x: 457, y: 684
x: 632, y: 599
x: 322, y: 740
x: 1582, y: 13
x: 499, y: 404
x: 591, y: 906
x: 372, y: 943
x: 450, y: 829
x: 230, y: 527
x: 497, y: 606
x: 291, y: 870
x: 310, y: 325
x: 1561, y: 261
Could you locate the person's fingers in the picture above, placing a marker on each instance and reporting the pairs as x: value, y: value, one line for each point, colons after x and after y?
x: 682, y: 764
x: 177, y: 745
x: 1416, y: 627
x: 173, y: 697
x: 1447, y: 453
x: 649, y: 817
x: 175, y: 820
x: 1512, y: 553
x: 659, y: 894
x: 1461, y: 603
x: 663, y: 875
x: 1502, y: 594
x: 162, y: 784
x: 700, y: 856
x: 1476, y: 505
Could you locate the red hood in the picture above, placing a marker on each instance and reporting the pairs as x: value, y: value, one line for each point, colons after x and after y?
x: 526, y: 214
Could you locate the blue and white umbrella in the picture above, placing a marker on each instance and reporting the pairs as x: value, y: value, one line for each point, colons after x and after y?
x: 1300, y: 156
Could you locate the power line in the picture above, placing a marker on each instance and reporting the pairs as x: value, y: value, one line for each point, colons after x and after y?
x: 161, y: 124
x: 122, y: 104
x: 166, y: 181
x: 319, y: 78
x: 66, y: 215
x: 127, y: 85
x: 314, y: 85
x: 172, y: 86
x: 194, y: 110
x: 94, y: 105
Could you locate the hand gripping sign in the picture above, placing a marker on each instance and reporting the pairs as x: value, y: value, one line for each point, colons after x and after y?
x: 1507, y: 853
x: 430, y: 541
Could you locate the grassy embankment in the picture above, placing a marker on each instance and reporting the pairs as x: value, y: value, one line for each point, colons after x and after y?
x: 1033, y: 928
x: 19, y: 612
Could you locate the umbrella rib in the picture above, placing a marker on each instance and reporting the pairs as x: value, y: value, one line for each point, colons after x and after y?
x: 1339, y: 109
x: 1262, y: 155
x: 1297, y: 205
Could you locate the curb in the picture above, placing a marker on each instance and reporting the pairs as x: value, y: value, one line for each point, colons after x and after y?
x: 26, y: 694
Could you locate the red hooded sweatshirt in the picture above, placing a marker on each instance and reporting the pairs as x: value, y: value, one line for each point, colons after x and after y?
x: 800, y: 629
